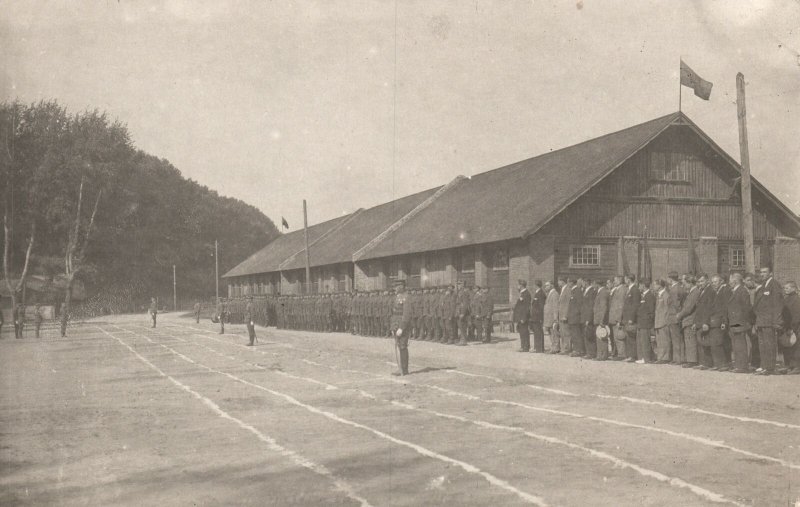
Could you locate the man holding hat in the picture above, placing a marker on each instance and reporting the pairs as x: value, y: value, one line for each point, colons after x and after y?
x: 400, y: 322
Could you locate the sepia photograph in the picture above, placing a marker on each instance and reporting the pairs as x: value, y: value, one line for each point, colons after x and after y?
x: 400, y: 253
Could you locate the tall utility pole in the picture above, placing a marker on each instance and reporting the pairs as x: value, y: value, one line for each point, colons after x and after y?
x: 216, y: 267
x: 308, y: 258
x: 747, y: 203
x: 174, y: 291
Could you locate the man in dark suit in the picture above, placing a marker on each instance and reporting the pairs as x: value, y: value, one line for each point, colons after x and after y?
x: 739, y: 323
x: 587, y: 319
x: 522, y: 314
x: 768, y: 306
x: 686, y: 318
x: 463, y: 303
x: 645, y: 321
x: 574, y: 319
x: 629, y: 310
x: 791, y: 324
x: 720, y: 314
x: 600, y: 318
x: 707, y: 322
x: 537, y: 316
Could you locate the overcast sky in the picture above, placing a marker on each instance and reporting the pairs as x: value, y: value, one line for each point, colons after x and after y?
x: 273, y: 102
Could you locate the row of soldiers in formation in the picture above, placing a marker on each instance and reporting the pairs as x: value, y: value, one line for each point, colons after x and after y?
x: 447, y: 314
x: 705, y: 322
x: 19, y: 318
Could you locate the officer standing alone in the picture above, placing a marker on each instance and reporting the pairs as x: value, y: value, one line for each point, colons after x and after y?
x: 249, y: 318
x: 400, y: 322
x: 153, y: 310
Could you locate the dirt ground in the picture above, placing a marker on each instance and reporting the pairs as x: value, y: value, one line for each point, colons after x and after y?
x: 119, y: 413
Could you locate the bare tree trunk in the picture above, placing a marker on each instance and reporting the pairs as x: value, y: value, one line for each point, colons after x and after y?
x: 20, y: 285
x: 76, y: 249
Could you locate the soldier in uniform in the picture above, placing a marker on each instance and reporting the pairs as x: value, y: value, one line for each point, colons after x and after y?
x: 37, y: 318
x: 438, y: 315
x: 153, y: 310
x: 197, y: 311
x: 476, y: 311
x: 64, y: 316
x: 249, y: 320
x: 399, y: 325
x: 488, y: 311
x: 221, y: 315
x: 427, y: 327
x: 19, y: 320
x: 462, y: 313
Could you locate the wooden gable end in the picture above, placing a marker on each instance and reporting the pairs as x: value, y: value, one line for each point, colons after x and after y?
x: 675, y: 180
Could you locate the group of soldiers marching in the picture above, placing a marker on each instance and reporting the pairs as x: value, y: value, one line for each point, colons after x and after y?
x: 738, y: 323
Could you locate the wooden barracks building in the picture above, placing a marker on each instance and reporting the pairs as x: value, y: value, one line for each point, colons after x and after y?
x: 578, y: 211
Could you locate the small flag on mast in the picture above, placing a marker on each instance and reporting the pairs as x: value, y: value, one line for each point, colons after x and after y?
x: 284, y: 223
x: 701, y: 87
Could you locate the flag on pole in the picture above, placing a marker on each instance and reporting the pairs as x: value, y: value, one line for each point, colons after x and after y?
x: 701, y: 87
x: 284, y: 223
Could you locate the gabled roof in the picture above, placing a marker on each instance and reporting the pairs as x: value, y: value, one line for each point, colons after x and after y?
x: 340, y: 245
x: 269, y: 258
x: 515, y: 200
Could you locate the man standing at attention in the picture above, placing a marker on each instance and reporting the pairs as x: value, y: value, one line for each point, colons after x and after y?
x: 537, y: 316
x: 249, y: 319
x: 645, y: 321
x: 221, y: 315
x: 401, y: 319
x: 587, y: 319
x: 768, y: 306
x: 629, y: 313
x: 676, y: 296
x: 563, y: 310
x: 521, y: 315
x: 600, y: 318
x: 663, y: 342
x: 550, y: 317
x: 197, y: 311
x: 686, y: 318
x: 574, y: 319
x: 153, y: 310
x: 739, y: 323
x: 615, y: 305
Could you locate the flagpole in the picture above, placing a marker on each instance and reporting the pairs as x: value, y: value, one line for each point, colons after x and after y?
x: 680, y: 59
x: 308, y: 258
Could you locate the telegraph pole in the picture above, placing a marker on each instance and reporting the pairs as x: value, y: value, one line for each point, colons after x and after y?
x: 308, y: 258
x: 747, y: 203
x: 216, y: 267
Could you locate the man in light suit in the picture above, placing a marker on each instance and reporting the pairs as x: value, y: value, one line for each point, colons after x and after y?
x: 616, y: 302
x: 522, y: 314
x: 551, y: 317
x: 676, y: 296
x: 600, y: 318
x: 768, y: 306
x: 564, y: 296
x: 537, y: 316
x: 686, y: 318
x: 663, y: 342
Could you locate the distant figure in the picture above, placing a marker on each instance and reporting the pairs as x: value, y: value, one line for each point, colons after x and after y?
x: 221, y: 315
x: 197, y: 311
x: 19, y: 320
x: 37, y: 318
x: 64, y: 319
x: 153, y: 310
x: 2, y: 320
x: 249, y: 318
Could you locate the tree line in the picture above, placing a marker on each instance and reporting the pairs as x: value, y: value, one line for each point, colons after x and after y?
x: 81, y: 202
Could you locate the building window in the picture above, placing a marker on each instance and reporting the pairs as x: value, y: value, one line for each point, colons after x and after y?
x: 670, y: 167
x: 585, y: 256
x: 466, y: 260
x: 737, y: 258
x: 500, y: 258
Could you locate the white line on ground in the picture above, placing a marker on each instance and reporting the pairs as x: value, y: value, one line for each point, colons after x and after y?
x: 672, y: 406
x: 341, y: 485
x: 467, y: 467
x: 618, y: 462
x: 701, y: 440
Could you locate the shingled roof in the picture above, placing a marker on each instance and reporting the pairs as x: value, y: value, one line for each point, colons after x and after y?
x: 269, y: 258
x: 364, y: 226
x: 515, y: 200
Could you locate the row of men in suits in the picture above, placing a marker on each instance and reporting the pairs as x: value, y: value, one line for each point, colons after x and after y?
x: 700, y: 322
